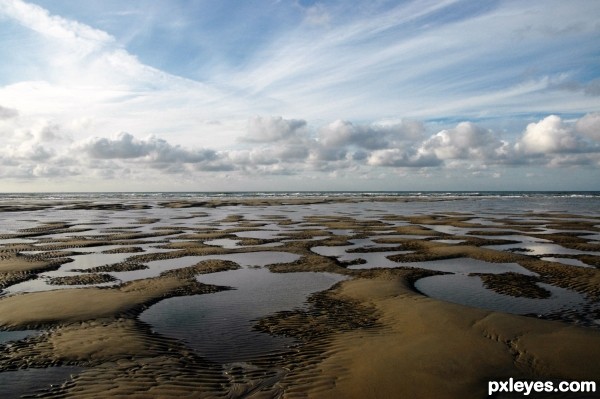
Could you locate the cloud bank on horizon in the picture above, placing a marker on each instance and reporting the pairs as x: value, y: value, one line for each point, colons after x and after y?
x: 299, y: 95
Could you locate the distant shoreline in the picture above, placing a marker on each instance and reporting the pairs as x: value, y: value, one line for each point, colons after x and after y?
x: 309, y: 193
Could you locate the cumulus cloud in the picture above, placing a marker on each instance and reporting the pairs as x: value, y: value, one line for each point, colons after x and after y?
x: 122, y: 146
x: 398, y: 158
x: 33, y: 151
x: 152, y: 149
x: 31, y: 159
x: 29, y: 147
x: 465, y: 141
x: 269, y: 155
x: 8, y: 113
x: 371, y: 137
x: 550, y: 135
x: 328, y: 154
x: 589, y: 126
x: 268, y: 129
x: 47, y: 132
x: 286, y: 147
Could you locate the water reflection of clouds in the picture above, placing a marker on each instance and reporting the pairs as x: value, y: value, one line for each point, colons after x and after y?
x: 533, y: 248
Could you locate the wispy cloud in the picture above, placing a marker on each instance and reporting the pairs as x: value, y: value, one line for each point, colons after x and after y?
x: 332, y: 89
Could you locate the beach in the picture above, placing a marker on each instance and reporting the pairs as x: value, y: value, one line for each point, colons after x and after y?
x: 297, y: 295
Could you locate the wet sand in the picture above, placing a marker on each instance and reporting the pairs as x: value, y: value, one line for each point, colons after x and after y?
x: 425, y: 348
x: 370, y: 336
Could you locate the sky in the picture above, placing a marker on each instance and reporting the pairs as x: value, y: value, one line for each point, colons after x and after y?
x: 296, y: 95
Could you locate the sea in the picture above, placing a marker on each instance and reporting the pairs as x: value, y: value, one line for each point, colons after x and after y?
x: 297, y: 194
x: 584, y: 202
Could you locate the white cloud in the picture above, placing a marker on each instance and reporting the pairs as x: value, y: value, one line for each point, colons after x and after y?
x: 574, y: 160
x: 339, y: 69
x: 32, y: 151
x: 317, y: 15
x: 46, y: 131
x: 269, y: 155
x: 589, y: 126
x: 337, y: 150
x: 410, y: 58
x: 466, y: 141
x: 271, y: 129
x: 123, y: 146
x: 370, y: 137
x: 153, y: 150
x: 366, y: 64
x: 8, y: 113
x: 549, y: 135
x: 40, y: 20
x: 398, y: 158
x: 330, y: 154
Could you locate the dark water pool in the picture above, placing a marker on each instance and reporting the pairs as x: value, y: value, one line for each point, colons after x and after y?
x: 469, y: 290
x: 219, y: 326
x: 14, y: 384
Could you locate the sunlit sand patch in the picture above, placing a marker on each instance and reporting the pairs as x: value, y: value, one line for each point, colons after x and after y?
x: 487, y: 343
x: 228, y: 243
x: 125, y: 266
x: 582, y: 280
x: 363, y: 253
x: 123, y: 250
x: 16, y: 268
x: 206, y: 235
x: 119, y: 355
x: 82, y: 279
x: 304, y: 234
x: 428, y: 250
x: 30, y: 309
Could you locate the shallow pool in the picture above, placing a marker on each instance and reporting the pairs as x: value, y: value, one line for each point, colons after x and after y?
x: 219, y: 326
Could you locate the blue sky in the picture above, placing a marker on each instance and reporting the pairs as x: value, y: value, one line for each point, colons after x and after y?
x: 299, y: 95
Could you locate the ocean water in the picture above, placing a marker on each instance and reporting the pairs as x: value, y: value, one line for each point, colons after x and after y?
x: 537, y: 201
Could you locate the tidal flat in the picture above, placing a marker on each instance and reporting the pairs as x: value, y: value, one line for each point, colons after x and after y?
x: 318, y: 296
